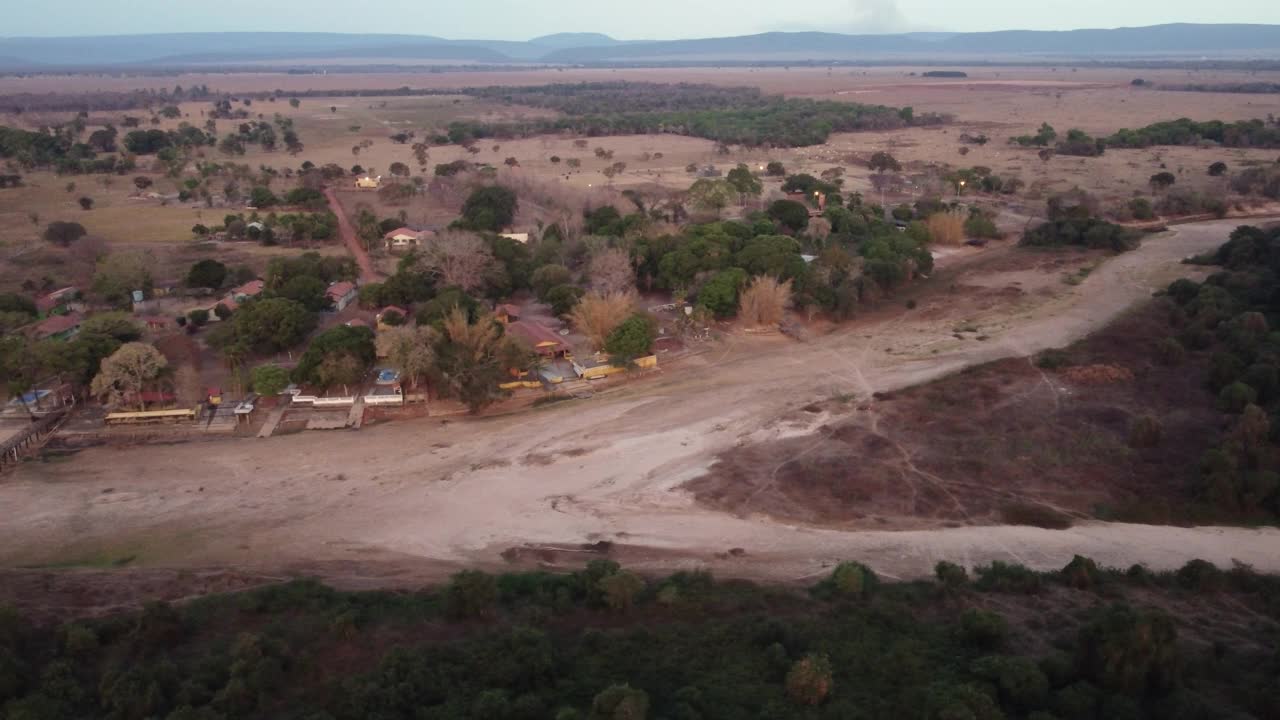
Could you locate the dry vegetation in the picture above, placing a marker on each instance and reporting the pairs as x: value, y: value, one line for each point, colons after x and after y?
x: 947, y: 228
x: 764, y: 302
x: 597, y: 314
x: 1007, y: 442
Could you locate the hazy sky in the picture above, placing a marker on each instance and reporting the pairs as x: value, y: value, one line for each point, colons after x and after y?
x: 655, y: 19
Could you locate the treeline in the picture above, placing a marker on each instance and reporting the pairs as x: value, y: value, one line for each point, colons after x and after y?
x: 1242, y: 134
x: 1083, y: 643
x: 1246, y: 88
x: 738, y: 116
x: 1230, y: 315
x: 86, y: 102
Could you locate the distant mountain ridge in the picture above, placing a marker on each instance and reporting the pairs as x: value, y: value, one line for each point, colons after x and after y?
x: 597, y: 48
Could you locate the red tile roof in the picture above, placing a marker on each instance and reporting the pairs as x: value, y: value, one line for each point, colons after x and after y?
x: 252, y: 288
x: 58, y: 324
x: 543, y: 339
x: 340, y: 290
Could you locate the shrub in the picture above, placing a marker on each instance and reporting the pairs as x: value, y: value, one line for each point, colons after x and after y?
x: 853, y: 579
x: 950, y: 574
x: 471, y: 594
x: 1081, y: 573
x: 1142, y: 209
x: 980, y: 226
x: 1170, y: 352
x: 809, y: 680
x: 1218, y: 169
x: 620, y: 590
x: 199, y: 317
x: 1007, y: 578
x: 983, y: 629
x: 1234, y: 398
x: 1052, y: 359
x: 1018, y: 681
x: 1145, y: 432
x: 1163, y: 180
x: 620, y: 702
x: 947, y: 228
x: 1201, y: 576
x: 764, y: 301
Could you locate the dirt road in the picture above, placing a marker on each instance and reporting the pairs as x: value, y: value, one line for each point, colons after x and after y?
x: 608, y: 468
x: 352, y: 240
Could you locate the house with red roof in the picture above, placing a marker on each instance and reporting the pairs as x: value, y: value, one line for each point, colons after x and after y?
x: 542, y: 339
x: 406, y: 238
x: 58, y: 327
x: 251, y: 289
x: 341, y: 294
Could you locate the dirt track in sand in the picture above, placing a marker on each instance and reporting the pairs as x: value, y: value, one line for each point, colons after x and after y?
x: 605, y: 469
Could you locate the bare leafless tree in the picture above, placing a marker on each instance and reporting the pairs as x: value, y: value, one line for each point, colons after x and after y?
x: 611, y: 271
x: 459, y: 259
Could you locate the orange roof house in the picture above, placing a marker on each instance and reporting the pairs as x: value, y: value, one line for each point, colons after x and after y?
x: 541, y: 338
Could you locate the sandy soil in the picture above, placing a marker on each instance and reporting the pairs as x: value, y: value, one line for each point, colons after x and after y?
x: 605, y: 469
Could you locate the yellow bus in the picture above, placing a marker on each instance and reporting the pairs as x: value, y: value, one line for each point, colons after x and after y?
x: 151, y: 417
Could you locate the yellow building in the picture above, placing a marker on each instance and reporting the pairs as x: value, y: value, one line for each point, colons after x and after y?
x: 368, y: 183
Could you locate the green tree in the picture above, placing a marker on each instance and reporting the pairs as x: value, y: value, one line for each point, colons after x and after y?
x: 547, y: 277
x: 307, y: 290
x: 1163, y: 180
x: 127, y: 372
x: 207, y: 273
x: 63, y: 233
x: 563, y: 298
x: 633, y: 338
x: 711, y: 195
x: 470, y: 594
x: 269, y: 380
x: 117, y: 325
x: 1129, y: 650
x: 198, y: 317
x: 490, y: 208
x: 620, y: 590
x: 262, y: 197
x: 272, y: 324
x: 744, y: 181
x: 775, y: 169
x: 789, y: 214
x: 119, y: 274
x: 337, y: 356
x: 720, y: 294
x: 882, y: 162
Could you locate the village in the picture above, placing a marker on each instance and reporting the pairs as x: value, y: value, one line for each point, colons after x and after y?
x: 555, y: 368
